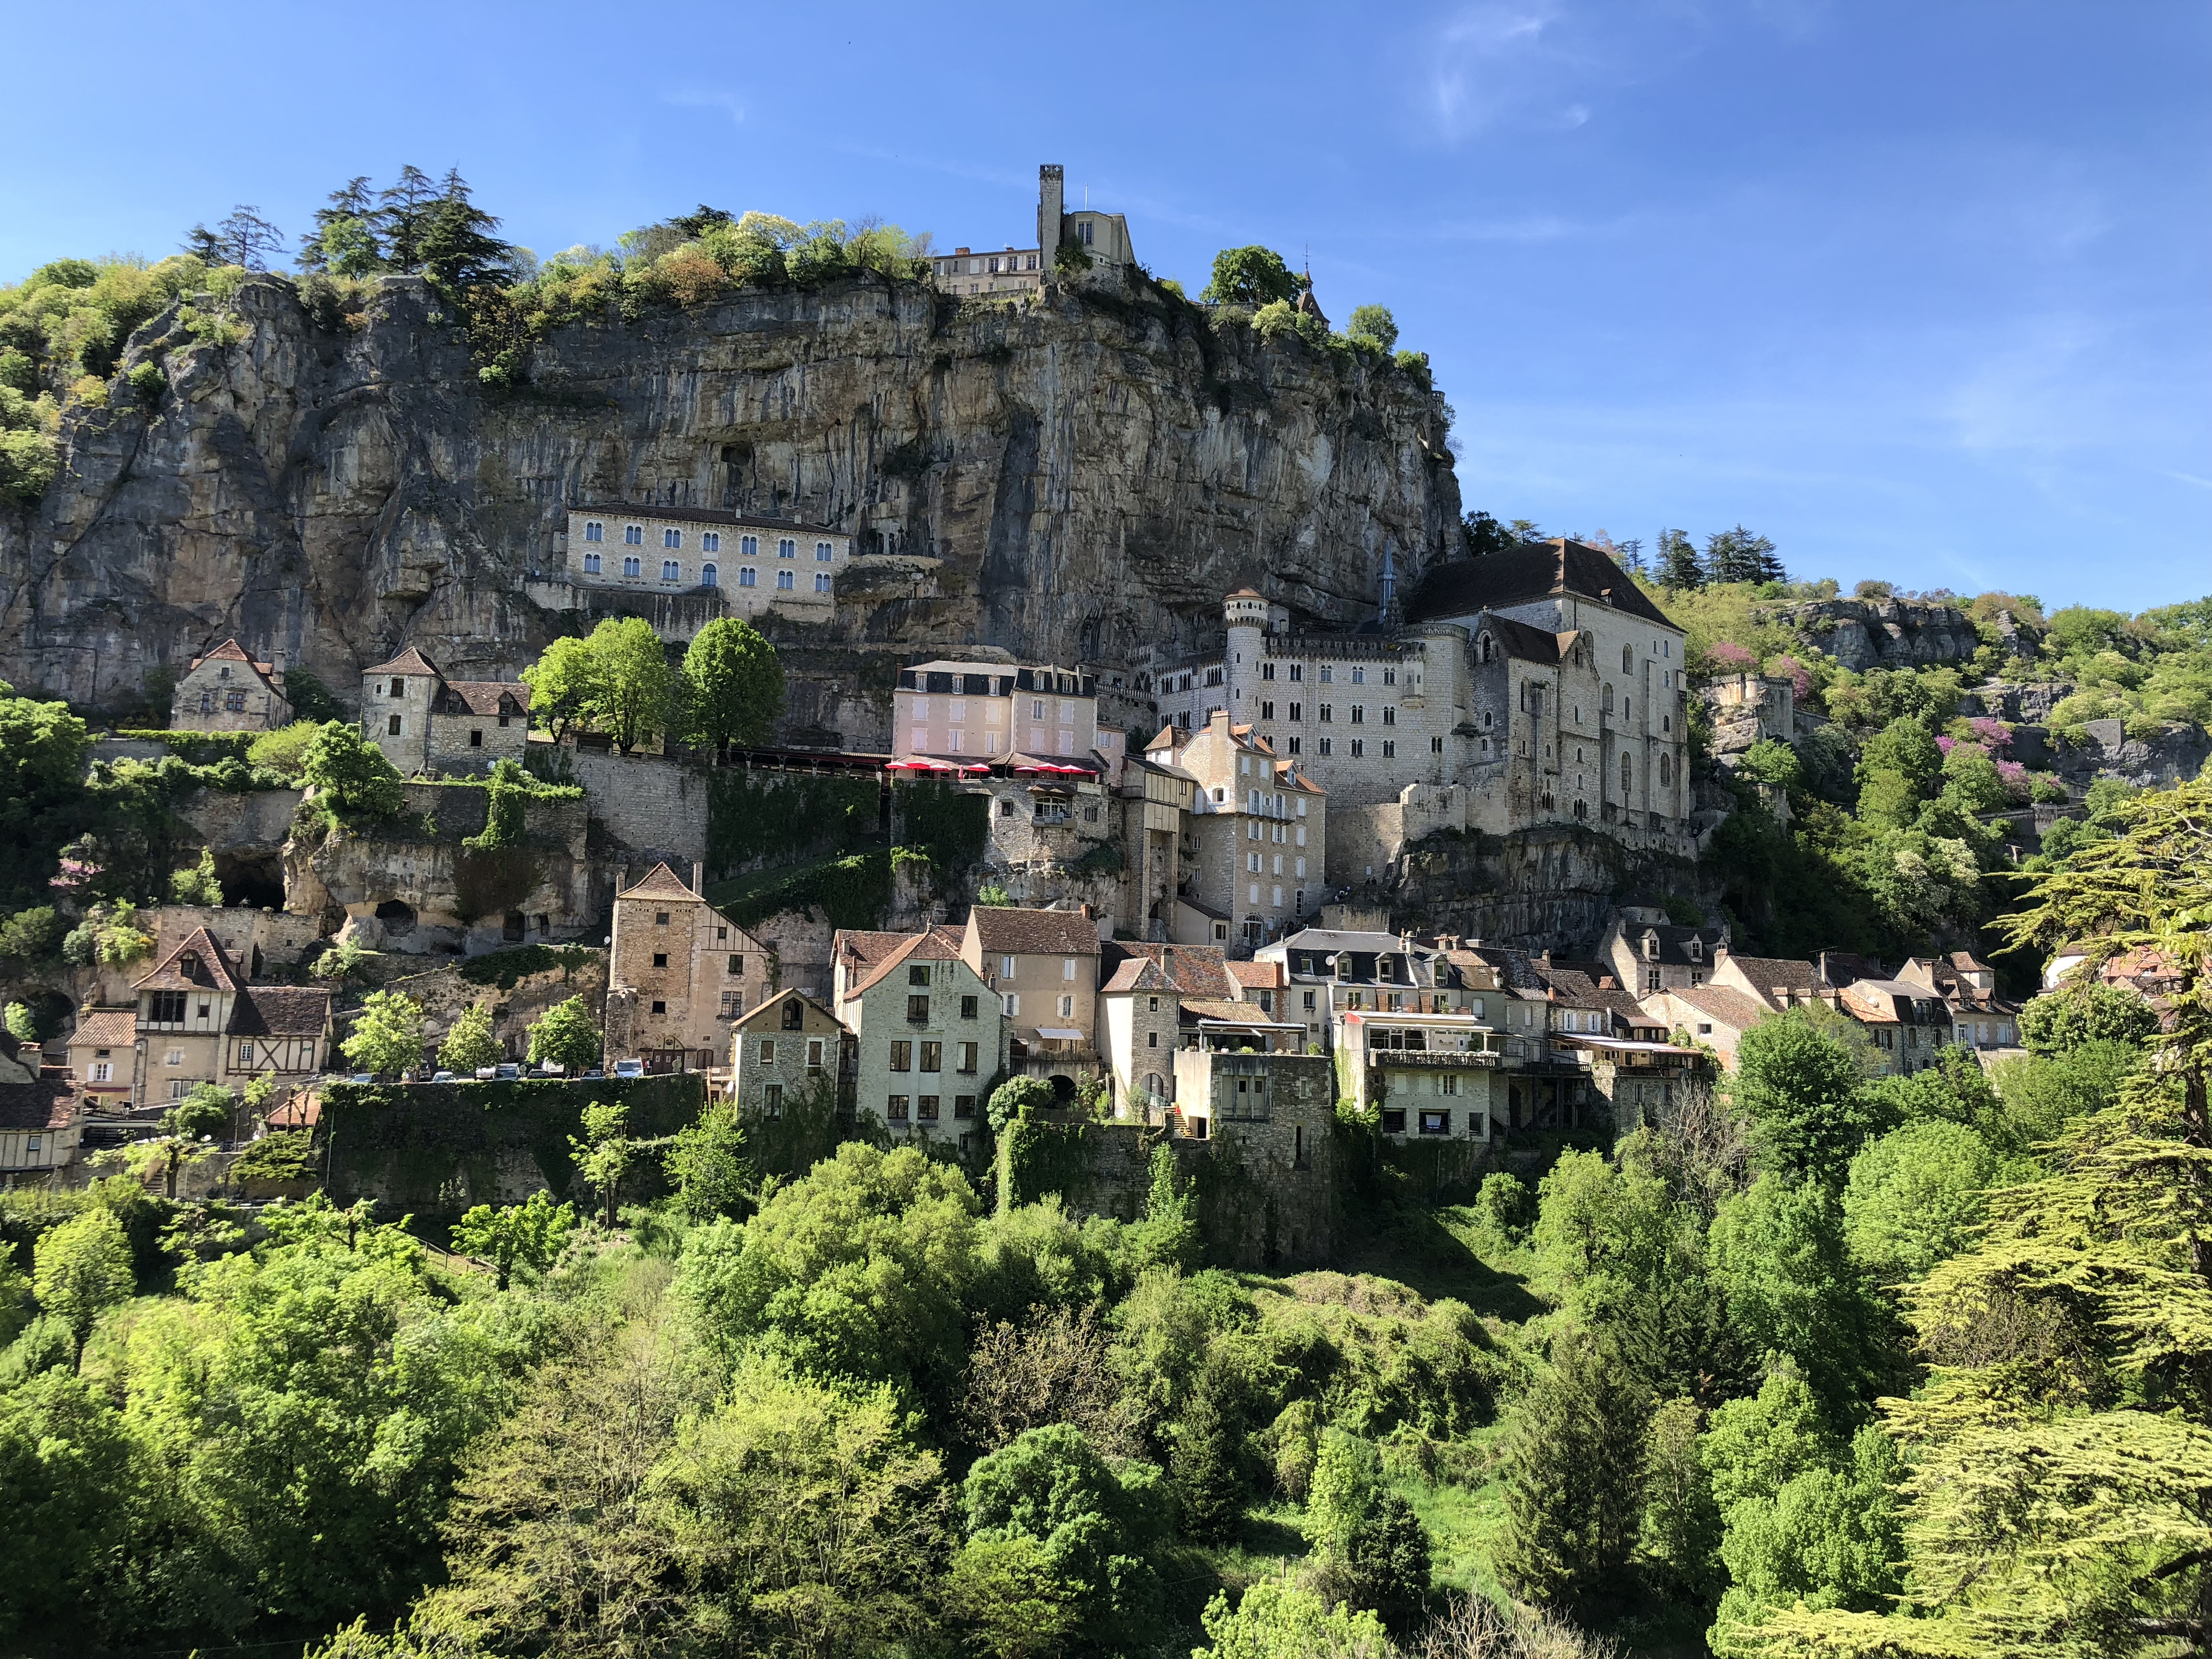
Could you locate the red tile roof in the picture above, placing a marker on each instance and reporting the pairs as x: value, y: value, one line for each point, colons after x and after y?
x: 410, y: 661
x: 484, y: 697
x: 215, y: 970
x: 49, y: 1104
x: 232, y: 651
x: 1007, y: 931
x: 105, y: 1028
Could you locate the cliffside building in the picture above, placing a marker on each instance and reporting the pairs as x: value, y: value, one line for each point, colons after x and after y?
x: 1104, y: 237
x: 682, y: 566
x: 1043, y: 967
x: 1254, y: 839
x: 788, y: 1046
x: 424, y: 722
x: 196, y: 1019
x: 680, y: 974
x: 1535, y: 686
x: 963, y: 711
x: 226, y: 690
x: 928, y: 1036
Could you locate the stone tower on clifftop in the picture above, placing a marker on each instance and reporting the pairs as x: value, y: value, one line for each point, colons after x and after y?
x: 1052, y: 194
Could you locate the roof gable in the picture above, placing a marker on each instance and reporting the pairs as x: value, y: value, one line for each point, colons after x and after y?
x: 410, y: 661
x: 1533, y: 570
x: 661, y: 882
x: 214, y: 970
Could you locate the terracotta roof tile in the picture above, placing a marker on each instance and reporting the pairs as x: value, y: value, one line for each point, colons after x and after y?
x: 776, y: 1004
x: 215, y: 972
x: 105, y: 1028
x: 1007, y: 931
x: 232, y: 651
x: 1730, y: 1008
x: 490, y: 698
x: 863, y: 948
x: 928, y: 944
x: 410, y: 661
x: 1258, y: 975
x: 1195, y: 970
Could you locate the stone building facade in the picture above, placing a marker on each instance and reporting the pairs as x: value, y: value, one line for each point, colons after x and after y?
x: 928, y: 1038
x: 1432, y: 1076
x: 1254, y: 838
x: 1013, y: 271
x: 1043, y: 965
x: 1538, y: 685
x: 424, y: 722
x: 195, y: 1018
x: 682, y: 566
x: 226, y: 690
x: 788, y: 1045
x: 993, y: 712
x: 680, y: 974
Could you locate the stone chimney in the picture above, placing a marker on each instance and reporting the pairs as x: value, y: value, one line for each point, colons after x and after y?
x: 698, y: 883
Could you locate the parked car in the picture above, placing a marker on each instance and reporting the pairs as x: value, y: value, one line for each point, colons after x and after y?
x: 508, y: 1071
x: 629, y: 1068
x: 442, y: 1077
x: 362, y: 1077
x: 594, y: 1072
x: 486, y: 1073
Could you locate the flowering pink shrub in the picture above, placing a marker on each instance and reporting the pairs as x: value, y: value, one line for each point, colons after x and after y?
x: 1993, y: 735
x: 1800, y: 678
x: 2014, y: 776
x: 1729, y: 658
x: 1947, y: 745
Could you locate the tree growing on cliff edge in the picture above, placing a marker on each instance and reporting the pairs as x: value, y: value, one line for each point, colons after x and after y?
x: 388, y: 1036
x: 1252, y: 276
x: 732, y: 685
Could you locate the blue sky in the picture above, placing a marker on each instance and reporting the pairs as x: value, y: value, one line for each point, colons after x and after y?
x: 1921, y: 290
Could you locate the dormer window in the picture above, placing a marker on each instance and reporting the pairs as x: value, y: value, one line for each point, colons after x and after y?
x: 1697, y: 951
x: 1651, y: 947
x: 189, y: 964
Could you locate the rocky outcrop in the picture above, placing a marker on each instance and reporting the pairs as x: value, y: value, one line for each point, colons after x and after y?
x: 2029, y: 705
x: 1082, y: 475
x: 2174, y: 753
x: 1863, y: 634
x: 1552, y: 889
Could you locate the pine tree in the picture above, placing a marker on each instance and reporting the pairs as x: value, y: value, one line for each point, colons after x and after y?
x: 2059, y: 1498
x: 345, y: 237
x: 1737, y: 555
x: 1574, y: 1475
x: 1678, y: 566
x: 457, y: 248
x: 403, y: 212
x: 1205, y: 1466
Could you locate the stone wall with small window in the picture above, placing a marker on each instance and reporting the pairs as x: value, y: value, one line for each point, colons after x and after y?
x: 225, y: 695
x: 468, y: 742
x: 931, y: 1039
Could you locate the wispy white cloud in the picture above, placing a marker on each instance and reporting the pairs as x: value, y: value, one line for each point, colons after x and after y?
x: 707, y: 98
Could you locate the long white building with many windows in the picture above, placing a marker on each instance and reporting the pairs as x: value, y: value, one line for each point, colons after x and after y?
x: 682, y: 566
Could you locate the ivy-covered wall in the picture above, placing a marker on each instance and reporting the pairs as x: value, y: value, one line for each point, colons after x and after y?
x: 755, y: 819
x: 434, y: 1149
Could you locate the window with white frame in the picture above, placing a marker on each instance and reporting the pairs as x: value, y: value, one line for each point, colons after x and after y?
x: 631, y: 567
x: 595, y: 532
x: 783, y: 581
x: 710, y: 542
x: 634, y: 535
x: 591, y: 564
x: 709, y: 576
x: 787, y: 548
x: 823, y: 551
x: 821, y: 581
x: 749, y: 546
x: 747, y: 576
x: 672, y: 538
x: 670, y: 571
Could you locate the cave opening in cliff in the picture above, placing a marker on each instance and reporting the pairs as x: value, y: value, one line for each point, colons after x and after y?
x: 397, y: 916
x: 252, y: 879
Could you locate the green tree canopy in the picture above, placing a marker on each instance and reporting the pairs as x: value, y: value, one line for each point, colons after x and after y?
x: 1799, y: 1078
x: 352, y: 772
x: 1252, y: 276
x: 528, y: 1236
x: 1574, y: 1475
x: 1375, y: 323
x: 1915, y: 1197
x: 732, y: 685
x: 470, y: 1043
x: 615, y: 679
x: 387, y: 1033
x: 566, y: 1035
x: 80, y: 1269
x: 707, y: 1166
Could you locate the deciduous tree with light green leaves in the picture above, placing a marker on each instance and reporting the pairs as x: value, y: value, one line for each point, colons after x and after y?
x: 351, y: 775
x: 615, y: 679
x: 80, y: 1269
x: 526, y: 1236
x: 387, y: 1033
x: 566, y: 1036
x: 732, y: 685
x: 470, y: 1044
x: 604, y: 1152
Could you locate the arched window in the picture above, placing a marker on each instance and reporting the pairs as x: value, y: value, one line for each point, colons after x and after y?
x: 1666, y: 771
x: 709, y: 576
x: 1627, y: 775
x: 1608, y: 699
x: 1628, y: 660
x: 1486, y: 648
x: 670, y: 571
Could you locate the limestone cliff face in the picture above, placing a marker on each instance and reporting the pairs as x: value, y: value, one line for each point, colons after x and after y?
x: 1084, y: 475
x: 1863, y: 634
